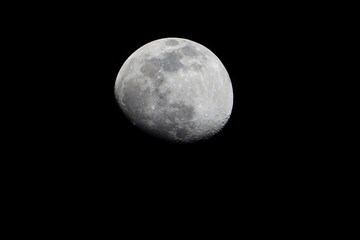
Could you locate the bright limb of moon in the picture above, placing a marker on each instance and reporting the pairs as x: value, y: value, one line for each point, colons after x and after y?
x: 175, y: 89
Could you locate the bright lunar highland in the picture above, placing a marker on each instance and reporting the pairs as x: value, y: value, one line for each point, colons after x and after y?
x: 175, y: 89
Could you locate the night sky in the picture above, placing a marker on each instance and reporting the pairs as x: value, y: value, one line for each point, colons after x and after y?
x: 263, y: 52
x: 261, y: 157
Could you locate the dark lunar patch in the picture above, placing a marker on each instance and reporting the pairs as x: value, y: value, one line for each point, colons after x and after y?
x: 151, y: 67
x: 171, y: 42
x: 196, y: 66
x: 182, y: 111
x: 189, y: 51
x: 162, y: 98
x: 162, y: 95
x: 158, y: 81
x: 171, y: 63
x: 174, y: 118
x: 134, y: 100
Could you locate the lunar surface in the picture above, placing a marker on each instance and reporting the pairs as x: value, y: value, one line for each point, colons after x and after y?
x: 175, y: 89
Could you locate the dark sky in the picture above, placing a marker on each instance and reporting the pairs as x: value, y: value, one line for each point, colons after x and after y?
x: 262, y: 48
x: 88, y: 153
x: 256, y: 51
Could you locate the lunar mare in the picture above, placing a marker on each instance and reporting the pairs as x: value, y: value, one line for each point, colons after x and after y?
x: 175, y: 89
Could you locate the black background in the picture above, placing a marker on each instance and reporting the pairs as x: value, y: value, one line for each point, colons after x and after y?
x: 263, y: 50
x: 92, y: 163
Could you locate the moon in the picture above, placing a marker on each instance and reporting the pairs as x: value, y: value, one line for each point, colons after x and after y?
x: 175, y: 89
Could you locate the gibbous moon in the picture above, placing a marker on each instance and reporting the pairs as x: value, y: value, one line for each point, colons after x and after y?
x: 175, y: 89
